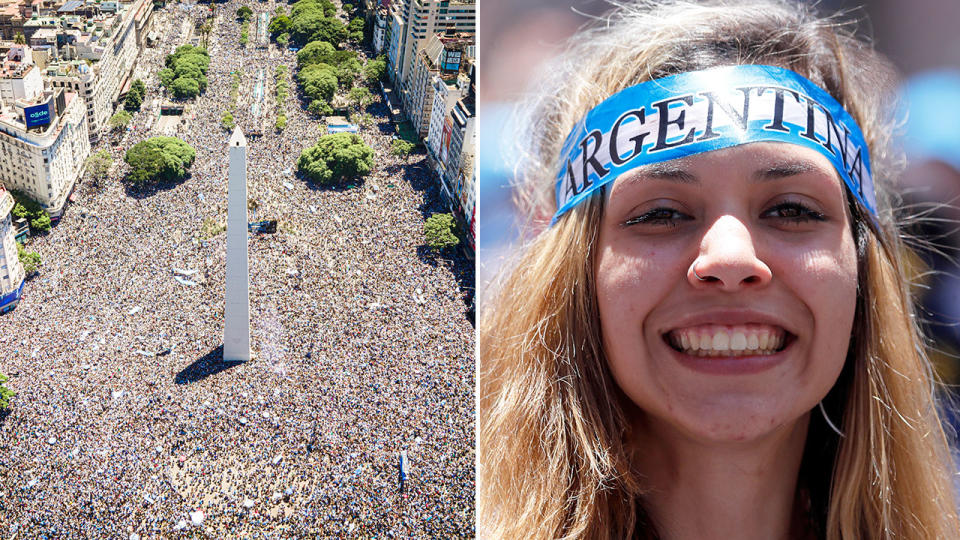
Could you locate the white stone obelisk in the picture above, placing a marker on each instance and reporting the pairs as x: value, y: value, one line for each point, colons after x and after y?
x: 236, y: 335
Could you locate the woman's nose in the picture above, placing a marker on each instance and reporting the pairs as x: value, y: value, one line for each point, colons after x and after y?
x: 728, y: 258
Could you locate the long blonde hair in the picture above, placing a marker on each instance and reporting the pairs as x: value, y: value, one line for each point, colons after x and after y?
x: 551, y: 423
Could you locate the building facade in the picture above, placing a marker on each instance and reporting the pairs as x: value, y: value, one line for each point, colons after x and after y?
x: 97, y: 58
x: 11, y: 271
x: 44, y: 161
x: 439, y: 56
x: 414, y: 21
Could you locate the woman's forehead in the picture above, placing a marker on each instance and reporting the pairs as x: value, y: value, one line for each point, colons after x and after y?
x: 753, y: 163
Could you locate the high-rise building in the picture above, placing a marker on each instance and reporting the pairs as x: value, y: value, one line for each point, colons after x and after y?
x: 412, y: 22
x: 94, y: 57
x: 43, y: 134
x: 11, y: 271
x: 439, y: 56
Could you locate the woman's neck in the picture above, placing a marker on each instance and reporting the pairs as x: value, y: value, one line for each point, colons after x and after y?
x: 719, y: 490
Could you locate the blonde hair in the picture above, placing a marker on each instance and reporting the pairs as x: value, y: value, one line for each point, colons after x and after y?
x: 551, y: 422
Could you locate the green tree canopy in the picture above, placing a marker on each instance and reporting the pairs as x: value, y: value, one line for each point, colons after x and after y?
x: 283, y: 40
x: 138, y: 87
x: 99, y: 163
x: 279, y: 25
x: 227, y: 120
x: 5, y: 393
x: 439, y: 231
x: 375, y: 70
x: 331, y: 30
x: 29, y: 259
x: 185, y: 74
x: 360, y: 96
x: 119, y: 120
x: 159, y: 159
x: 315, y: 52
x: 401, y: 148
x: 29, y: 209
x: 319, y: 81
x: 336, y: 157
x: 244, y: 13
x: 355, y: 25
x: 185, y: 87
x: 320, y: 107
x: 167, y: 77
x: 133, y: 101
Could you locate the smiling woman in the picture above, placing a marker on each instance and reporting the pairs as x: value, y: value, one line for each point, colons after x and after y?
x: 711, y: 337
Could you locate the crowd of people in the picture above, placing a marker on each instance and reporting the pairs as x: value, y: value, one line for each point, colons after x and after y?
x: 127, y: 424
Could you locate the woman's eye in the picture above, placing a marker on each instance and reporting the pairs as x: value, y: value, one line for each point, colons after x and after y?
x: 794, y: 212
x: 659, y: 216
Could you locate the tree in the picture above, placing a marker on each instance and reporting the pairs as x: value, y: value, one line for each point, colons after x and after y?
x: 439, y: 230
x: 375, y: 70
x: 281, y: 122
x: 360, y: 97
x: 279, y: 25
x: 336, y: 157
x: 133, y: 101
x: 29, y: 259
x: 205, y: 30
x: 227, y: 120
x: 19, y: 39
x: 185, y: 72
x: 331, y: 30
x: 315, y: 52
x: 401, y: 148
x: 319, y: 81
x: 98, y: 164
x: 185, y: 87
x: 320, y: 107
x: 244, y: 13
x: 29, y: 209
x: 138, y: 87
x: 5, y: 393
x: 283, y: 40
x: 159, y: 159
x: 120, y: 120
x: 167, y: 77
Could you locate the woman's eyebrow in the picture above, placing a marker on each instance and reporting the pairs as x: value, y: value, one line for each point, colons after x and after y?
x: 669, y: 171
x: 785, y: 170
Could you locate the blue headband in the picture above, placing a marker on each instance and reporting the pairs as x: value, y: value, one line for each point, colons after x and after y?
x: 700, y: 111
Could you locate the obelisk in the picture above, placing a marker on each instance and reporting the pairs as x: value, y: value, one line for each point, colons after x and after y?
x: 236, y: 334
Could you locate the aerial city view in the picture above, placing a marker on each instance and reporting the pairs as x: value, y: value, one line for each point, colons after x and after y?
x: 349, y: 410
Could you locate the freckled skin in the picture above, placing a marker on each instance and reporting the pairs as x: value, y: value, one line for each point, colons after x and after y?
x: 804, y: 272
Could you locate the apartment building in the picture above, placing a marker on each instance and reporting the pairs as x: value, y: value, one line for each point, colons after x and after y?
x: 11, y: 271
x: 43, y: 145
x: 439, y: 56
x: 95, y: 56
x: 412, y: 22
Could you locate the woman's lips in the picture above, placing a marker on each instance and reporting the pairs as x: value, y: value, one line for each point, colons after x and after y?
x: 728, y: 340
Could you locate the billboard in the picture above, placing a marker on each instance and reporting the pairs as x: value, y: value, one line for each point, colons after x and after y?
x: 37, y: 115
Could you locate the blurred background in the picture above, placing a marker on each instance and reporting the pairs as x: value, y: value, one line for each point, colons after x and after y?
x: 921, y: 37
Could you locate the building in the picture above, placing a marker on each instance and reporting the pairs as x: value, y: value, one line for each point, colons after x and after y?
x: 11, y: 271
x: 19, y: 76
x: 445, y: 96
x: 457, y: 159
x: 381, y: 21
x: 43, y: 146
x: 412, y: 22
x: 94, y: 58
x: 440, y: 56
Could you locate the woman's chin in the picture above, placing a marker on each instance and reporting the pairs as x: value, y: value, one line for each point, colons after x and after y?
x: 730, y: 420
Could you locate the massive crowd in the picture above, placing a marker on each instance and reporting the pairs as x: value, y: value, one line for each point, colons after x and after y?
x: 126, y: 424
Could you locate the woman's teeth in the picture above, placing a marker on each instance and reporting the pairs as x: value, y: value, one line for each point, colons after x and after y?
x: 719, y: 340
